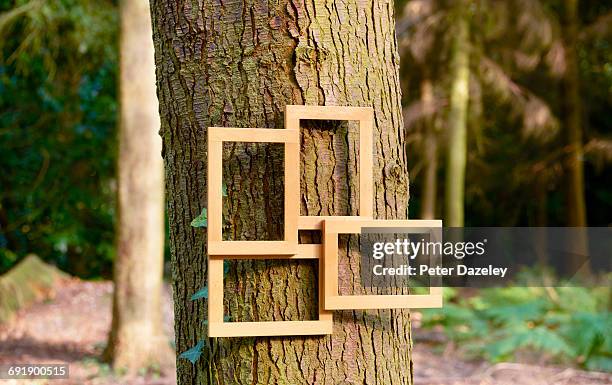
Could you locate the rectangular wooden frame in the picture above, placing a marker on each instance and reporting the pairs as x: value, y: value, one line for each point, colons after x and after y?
x: 217, y: 327
x: 365, y: 117
x: 334, y: 301
x: 216, y: 244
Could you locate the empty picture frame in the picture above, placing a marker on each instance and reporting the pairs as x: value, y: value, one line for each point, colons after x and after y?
x: 290, y: 138
x: 217, y: 327
x: 334, y: 301
x: 365, y: 117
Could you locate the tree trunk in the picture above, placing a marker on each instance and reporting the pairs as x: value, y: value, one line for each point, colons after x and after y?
x: 430, y: 146
x: 576, y: 212
x: 238, y: 64
x: 541, y: 220
x: 136, y: 339
x: 574, y: 165
x: 457, y: 125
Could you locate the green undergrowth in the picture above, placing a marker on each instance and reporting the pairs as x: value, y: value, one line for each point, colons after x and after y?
x: 567, y: 324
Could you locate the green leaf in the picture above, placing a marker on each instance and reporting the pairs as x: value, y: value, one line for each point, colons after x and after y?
x: 194, y: 353
x: 523, y: 312
x: 226, y: 266
x: 201, y: 220
x: 224, y: 190
x: 500, y: 350
x: 227, y: 318
x: 600, y: 363
x: 548, y: 341
x: 202, y: 293
x: 588, y: 332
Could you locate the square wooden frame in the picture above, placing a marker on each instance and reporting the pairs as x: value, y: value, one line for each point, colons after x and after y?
x: 334, y: 301
x: 216, y: 244
x: 365, y: 117
x: 331, y: 226
x: 217, y: 327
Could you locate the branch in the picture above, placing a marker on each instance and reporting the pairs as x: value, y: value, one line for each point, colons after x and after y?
x: 538, y: 119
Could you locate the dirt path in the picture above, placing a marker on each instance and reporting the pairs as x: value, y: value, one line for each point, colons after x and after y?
x: 73, y: 327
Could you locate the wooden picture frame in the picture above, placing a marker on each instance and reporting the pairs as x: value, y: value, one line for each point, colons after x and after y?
x: 290, y: 138
x: 217, y: 327
x: 288, y: 248
x: 365, y: 117
x: 334, y: 301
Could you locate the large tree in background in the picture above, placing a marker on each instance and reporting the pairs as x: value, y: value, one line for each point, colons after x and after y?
x: 238, y: 64
x: 136, y: 339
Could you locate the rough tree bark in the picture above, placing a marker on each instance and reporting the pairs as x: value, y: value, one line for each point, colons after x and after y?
x: 457, y: 123
x: 136, y: 339
x: 238, y: 63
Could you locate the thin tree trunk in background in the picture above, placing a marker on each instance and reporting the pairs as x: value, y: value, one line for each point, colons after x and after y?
x: 576, y: 207
x: 238, y: 64
x: 457, y: 125
x: 136, y: 339
x: 430, y: 146
x: 574, y: 163
x: 541, y: 220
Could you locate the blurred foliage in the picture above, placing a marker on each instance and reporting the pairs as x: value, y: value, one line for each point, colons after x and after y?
x: 515, y: 124
x: 567, y: 323
x: 58, y: 113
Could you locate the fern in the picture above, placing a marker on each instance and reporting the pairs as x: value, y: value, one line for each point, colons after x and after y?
x: 570, y: 323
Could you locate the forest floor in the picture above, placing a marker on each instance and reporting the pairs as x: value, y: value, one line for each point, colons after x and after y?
x: 72, y: 328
